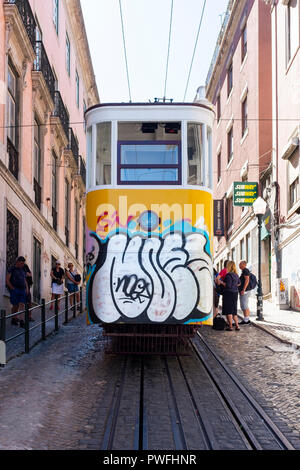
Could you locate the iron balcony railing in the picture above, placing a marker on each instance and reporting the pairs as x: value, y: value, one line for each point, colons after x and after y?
x: 13, y: 158
x: 37, y: 193
x: 60, y: 111
x: 42, y: 64
x: 73, y: 145
x: 82, y: 170
x: 27, y: 18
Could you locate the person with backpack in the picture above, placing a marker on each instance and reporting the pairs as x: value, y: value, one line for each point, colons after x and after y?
x: 73, y: 280
x: 247, y: 284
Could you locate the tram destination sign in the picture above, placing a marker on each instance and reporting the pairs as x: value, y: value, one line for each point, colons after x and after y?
x: 245, y: 193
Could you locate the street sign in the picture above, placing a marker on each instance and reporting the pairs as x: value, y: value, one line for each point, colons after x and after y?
x: 244, y: 193
x: 219, y: 217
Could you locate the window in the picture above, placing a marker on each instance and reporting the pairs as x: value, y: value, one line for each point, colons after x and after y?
x: 12, y: 105
x: 77, y: 89
x: 219, y: 166
x: 219, y: 108
x: 55, y: 14
x: 230, y: 145
x: 293, y: 175
x: 244, y: 115
x: 54, y: 190
x: 103, y: 154
x: 244, y: 43
x: 292, y: 29
x: 37, y: 171
x: 242, y: 249
x: 229, y: 79
x: 12, y: 239
x: 195, y: 154
x: 229, y: 212
x: 248, y: 248
x: 68, y: 54
x: 84, y: 110
x: 149, y: 153
x: 67, y: 211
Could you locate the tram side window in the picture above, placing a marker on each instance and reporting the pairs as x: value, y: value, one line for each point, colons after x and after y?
x: 103, y: 154
x: 195, y: 154
x: 149, y: 153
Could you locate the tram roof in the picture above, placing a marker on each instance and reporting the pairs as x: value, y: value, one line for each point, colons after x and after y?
x: 155, y: 103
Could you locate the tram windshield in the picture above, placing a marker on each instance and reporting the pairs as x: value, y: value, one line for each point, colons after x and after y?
x: 149, y: 153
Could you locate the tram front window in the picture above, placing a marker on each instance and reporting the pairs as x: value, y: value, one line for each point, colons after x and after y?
x: 148, y: 153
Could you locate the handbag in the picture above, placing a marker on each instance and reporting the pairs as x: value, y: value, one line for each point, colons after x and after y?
x: 77, y: 277
x: 58, y: 281
x: 220, y: 289
x: 219, y: 323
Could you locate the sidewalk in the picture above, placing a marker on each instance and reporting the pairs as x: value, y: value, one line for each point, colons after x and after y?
x: 283, y: 324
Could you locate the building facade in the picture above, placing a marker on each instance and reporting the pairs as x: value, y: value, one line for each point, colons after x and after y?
x: 239, y: 86
x: 46, y: 83
x: 284, y: 191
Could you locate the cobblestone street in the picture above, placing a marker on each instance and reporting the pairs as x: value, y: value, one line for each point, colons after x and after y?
x: 53, y: 397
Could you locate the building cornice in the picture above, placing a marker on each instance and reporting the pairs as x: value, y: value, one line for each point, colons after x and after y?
x: 227, y: 45
x: 79, y: 33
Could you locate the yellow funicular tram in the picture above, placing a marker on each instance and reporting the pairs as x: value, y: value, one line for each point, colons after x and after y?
x: 149, y: 219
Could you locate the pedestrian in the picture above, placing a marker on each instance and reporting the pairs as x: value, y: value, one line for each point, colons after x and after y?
x: 245, y: 292
x: 72, y: 284
x: 223, y: 272
x: 230, y: 295
x: 29, y: 283
x: 16, y: 283
x: 57, y: 274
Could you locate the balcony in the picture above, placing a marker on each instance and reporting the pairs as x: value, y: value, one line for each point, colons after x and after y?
x: 13, y: 159
x: 42, y: 64
x: 37, y: 193
x: 61, y: 113
x: 27, y: 17
x: 73, y: 146
x: 82, y: 170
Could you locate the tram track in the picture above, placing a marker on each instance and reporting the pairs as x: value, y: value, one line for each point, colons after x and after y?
x: 185, y: 403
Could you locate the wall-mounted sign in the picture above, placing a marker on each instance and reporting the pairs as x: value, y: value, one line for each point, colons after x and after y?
x: 219, y: 218
x: 244, y: 193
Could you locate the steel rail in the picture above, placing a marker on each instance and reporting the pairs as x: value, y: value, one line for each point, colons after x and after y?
x: 281, y: 440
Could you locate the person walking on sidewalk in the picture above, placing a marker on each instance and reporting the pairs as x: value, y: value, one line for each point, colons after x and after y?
x: 57, y: 274
x: 16, y: 283
x: 230, y: 295
x: 245, y: 292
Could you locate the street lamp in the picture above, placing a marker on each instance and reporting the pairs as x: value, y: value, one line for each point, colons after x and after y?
x: 259, y: 209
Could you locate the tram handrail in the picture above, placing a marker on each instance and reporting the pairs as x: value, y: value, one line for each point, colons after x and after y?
x: 43, y: 320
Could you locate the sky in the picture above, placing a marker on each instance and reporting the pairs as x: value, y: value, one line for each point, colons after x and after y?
x: 146, y: 29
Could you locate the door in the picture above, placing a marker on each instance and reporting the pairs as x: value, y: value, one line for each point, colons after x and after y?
x: 36, y: 273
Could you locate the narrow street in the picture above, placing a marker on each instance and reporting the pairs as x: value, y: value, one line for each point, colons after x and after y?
x: 58, y: 396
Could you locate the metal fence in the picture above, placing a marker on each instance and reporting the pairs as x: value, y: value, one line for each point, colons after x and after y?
x: 48, y: 316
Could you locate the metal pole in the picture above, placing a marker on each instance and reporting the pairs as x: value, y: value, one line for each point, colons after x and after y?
x: 27, y: 349
x: 43, y: 319
x: 66, y: 307
x: 74, y: 304
x: 259, y: 287
x: 56, y: 313
x: 3, y: 325
x: 80, y: 299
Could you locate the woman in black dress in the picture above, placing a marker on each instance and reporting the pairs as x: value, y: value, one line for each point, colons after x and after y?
x: 230, y: 295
